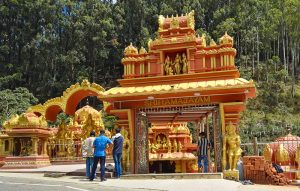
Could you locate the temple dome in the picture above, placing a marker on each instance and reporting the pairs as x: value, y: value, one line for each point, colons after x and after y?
x: 226, y: 39
x: 130, y: 50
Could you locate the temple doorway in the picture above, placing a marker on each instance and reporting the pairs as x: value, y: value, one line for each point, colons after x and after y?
x: 166, y: 138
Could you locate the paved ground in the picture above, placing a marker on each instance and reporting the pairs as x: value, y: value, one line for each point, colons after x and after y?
x: 33, y: 179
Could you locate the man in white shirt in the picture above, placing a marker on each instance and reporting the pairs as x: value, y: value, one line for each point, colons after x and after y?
x: 88, y: 152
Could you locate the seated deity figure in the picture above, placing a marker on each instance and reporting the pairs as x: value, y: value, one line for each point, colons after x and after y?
x: 231, y: 147
x: 185, y: 66
x: 177, y: 64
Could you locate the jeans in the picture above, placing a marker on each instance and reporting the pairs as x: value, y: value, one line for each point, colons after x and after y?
x: 89, y: 164
x: 118, y: 168
x: 102, y: 167
x: 205, y: 161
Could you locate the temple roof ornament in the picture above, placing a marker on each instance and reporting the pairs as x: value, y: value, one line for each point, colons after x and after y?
x: 130, y: 50
x: 226, y: 39
x: 184, y: 22
x: 174, y: 23
x: 25, y: 120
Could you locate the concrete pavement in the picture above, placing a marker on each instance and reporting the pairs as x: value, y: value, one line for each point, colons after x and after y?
x: 147, y: 184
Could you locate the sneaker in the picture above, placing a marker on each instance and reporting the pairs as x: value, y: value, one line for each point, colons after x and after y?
x: 103, y: 179
x: 91, y: 179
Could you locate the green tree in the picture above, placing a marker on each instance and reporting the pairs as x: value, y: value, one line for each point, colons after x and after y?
x: 15, y: 102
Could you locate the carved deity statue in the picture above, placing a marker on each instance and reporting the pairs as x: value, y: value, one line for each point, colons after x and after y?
x: 177, y: 64
x: 153, y: 148
x: 231, y: 147
x: 158, y: 142
x: 169, y: 146
x: 167, y: 64
x: 164, y: 143
x: 88, y: 126
x: 126, y: 150
x: 185, y: 66
x: 175, y: 145
x: 297, y: 156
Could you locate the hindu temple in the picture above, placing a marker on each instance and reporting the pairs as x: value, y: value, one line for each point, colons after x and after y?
x: 178, y: 79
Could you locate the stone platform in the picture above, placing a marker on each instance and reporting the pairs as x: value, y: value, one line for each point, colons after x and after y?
x: 175, y: 176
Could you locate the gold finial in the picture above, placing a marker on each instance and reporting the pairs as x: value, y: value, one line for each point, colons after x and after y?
x: 212, y: 43
x: 142, y: 50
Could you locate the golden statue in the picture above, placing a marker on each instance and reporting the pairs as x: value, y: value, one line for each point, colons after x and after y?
x: 88, y: 126
x: 231, y: 147
x: 177, y: 64
x: 185, y: 66
x: 153, y: 148
x: 282, y: 155
x: 158, y: 142
x: 164, y: 143
x: 167, y: 64
x: 169, y: 146
x: 175, y: 145
x: 126, y: 150
x: 268, y: 152
x: 297, y: 156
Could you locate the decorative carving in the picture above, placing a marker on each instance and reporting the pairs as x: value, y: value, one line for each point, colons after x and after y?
x: 174, y: 23
x: 160, y: 23
x: 191, y: 20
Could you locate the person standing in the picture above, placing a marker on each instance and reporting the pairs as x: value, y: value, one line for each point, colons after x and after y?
x: 100, y: 145
x: 88, y: 152
x: 117, y: 152
x: 202, y: 150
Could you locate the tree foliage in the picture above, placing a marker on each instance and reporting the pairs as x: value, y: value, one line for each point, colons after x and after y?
x: 47, y: 45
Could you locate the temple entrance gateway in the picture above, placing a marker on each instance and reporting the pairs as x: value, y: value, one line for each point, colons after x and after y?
x: 171, y: 145
x: 179, y: 79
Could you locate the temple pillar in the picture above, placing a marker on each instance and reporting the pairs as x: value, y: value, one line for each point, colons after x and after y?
x: 44, y: 151
x: 1, y: 147
x: 11, y: 146
x: 34, y: 146
x: 183, y: 166
x: 178, y: 166
x: 141, y: 144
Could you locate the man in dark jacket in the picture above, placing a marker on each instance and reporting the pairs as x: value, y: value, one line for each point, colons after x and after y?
x: 117, y: 152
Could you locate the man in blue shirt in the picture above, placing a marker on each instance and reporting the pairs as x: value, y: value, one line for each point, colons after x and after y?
x: 117, y: 152
x: 100, y: 145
